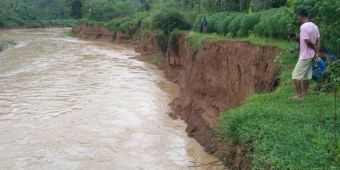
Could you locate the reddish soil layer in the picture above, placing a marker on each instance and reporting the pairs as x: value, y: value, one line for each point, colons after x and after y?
x: 219, y: 76
x: 213, y: 79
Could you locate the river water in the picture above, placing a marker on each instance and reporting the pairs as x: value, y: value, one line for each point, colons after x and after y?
x: 68, y: 104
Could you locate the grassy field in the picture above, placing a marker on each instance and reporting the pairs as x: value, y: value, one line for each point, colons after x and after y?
x: 198, y: 40
x: 282, y: 133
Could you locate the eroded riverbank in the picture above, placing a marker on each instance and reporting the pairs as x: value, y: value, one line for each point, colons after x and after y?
x: 72, y: 104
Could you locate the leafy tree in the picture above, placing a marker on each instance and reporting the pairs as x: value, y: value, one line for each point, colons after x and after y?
x: 104, y: 10
x: 167, y: 21
x: 76, y: 8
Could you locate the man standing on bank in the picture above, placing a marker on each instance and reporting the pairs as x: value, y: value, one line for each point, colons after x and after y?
x: 309, y: 51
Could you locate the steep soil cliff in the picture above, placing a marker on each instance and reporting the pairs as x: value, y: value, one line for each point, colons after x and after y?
x: 219, y: 76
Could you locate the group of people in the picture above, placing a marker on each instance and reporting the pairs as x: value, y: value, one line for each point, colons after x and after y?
x: 312, y: 61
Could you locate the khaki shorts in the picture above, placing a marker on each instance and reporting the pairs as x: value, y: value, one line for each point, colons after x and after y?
x: 303, y: 70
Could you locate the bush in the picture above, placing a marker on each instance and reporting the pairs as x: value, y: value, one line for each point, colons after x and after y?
x: 275, y: 23
x: 213, y: 21
x: 167, y: 21
x: 216, y: 23
x: 162, y: 42
x: 222, y: 26
x: 247, y: 24
x: 235, y: 24
x: 173, y: 42
x: 104, y: 10
x: 129, y: 24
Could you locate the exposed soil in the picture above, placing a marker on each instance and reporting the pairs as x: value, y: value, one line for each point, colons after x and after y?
x: 92, y: 32
x: 213, y: 79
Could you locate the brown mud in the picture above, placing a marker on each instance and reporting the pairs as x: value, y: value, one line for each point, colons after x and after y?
x: 220, y: 76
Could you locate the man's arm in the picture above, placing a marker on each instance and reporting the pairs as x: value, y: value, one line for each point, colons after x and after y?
x: 315, y: 47
x: 310, y: 44
x: 318, y: 45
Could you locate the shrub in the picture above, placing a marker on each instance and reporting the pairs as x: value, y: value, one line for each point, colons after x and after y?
x: 162, y: 42
x: 222, y: 26
x: 173, y: 42
x: 129, y: 24
x: 247, y: 24
x: 104, y: 10
x: 146, y: 23
x: 235, y: 24
x: 167, y: 21
x: 275, y: 23
x: 213, y: 22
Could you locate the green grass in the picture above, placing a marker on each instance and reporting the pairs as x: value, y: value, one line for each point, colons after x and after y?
x: 198, y: 40
x: 283, y: 44
x: 282, y: 133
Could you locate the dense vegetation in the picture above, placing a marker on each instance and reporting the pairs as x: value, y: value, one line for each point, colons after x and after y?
x: 280, y: 133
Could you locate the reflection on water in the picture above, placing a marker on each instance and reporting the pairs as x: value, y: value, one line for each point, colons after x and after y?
x: 68, y: 104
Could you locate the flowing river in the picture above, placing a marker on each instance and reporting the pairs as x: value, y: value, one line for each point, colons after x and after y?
x: 68, y: 104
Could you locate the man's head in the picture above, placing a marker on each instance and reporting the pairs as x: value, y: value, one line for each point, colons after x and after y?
x: 302, y: 16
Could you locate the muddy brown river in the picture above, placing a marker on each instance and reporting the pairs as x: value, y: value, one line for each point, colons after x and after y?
x: 69, y: 104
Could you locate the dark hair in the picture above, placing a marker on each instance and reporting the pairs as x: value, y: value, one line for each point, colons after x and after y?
x: 303, y: 12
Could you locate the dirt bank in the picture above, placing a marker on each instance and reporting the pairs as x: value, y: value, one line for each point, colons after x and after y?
x: 218, y: 77
x: 92, y: 32
x: 213, y: 79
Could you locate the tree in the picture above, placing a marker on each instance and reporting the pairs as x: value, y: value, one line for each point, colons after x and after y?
x: 76, y: 9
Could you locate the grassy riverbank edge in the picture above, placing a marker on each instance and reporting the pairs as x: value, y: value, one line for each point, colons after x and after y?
x: 278, y: 132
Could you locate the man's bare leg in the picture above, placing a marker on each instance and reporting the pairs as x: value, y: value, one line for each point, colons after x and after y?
x: 298, y: 87
x: 305, y: 88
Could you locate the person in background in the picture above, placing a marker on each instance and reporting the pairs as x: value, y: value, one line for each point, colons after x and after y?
x: 203, y: 25
x: 309, y: 51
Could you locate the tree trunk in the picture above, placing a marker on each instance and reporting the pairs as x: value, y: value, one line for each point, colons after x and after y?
x: 229, y: 7
x: 199, y: 6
